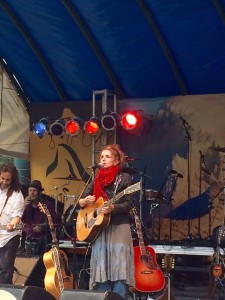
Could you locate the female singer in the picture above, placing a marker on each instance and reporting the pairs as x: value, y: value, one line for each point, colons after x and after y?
x: 112, y: 262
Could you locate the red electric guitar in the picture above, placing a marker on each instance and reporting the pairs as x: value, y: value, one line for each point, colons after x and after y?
x: 148, y: 275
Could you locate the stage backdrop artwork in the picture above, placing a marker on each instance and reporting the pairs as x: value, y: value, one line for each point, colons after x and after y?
x: 178, y: 154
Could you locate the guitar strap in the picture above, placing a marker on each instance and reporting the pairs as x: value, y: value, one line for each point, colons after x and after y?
x: 8, y: 195
x: 112, y: 192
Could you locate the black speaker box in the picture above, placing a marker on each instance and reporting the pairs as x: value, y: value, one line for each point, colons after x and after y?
x: 88, y: 295
x: 12, y: 292
x: 29, y: 271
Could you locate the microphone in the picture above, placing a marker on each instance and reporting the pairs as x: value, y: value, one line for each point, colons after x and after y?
x: 97, y: 166
x: 175, y: 172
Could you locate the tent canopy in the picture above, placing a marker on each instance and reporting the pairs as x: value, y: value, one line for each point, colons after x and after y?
x: 63, y: 50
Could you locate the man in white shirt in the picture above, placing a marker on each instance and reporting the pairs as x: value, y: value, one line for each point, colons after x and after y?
x: 11, y: 210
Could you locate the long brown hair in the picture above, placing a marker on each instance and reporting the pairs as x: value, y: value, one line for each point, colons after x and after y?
x: 10, y: 168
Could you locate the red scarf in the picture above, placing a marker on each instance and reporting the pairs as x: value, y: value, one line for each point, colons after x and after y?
x: 103, y: 179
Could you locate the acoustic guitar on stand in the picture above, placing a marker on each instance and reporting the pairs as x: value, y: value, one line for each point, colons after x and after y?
x: 167, y: 265
x: 148, y: 275
x: 91, y: 220
x: 217, y: 268
x: 58, y: 276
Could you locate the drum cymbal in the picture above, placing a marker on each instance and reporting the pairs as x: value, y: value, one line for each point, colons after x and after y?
x: 69, y: 178
x: 218, y: 149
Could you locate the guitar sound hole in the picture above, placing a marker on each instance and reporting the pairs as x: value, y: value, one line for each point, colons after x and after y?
x: 95, y: 213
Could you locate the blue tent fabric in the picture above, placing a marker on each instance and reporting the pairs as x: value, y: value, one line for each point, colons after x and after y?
x: 192, y: 208
x: 64, y: 50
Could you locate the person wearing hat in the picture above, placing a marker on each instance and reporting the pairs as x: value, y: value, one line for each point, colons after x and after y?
x: 36, y: 234
x: 11, y: 210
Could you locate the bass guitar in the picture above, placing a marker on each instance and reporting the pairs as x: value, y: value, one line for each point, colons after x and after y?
x: 148, y: 275
x: 217, y: 268
x: 58, y: 276
x: 91, y: 220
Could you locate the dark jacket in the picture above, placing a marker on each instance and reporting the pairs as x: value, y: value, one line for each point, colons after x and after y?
x: 121, y: 214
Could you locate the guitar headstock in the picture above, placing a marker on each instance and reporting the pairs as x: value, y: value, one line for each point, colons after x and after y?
x: 168, y: 262
x: 43, y: 208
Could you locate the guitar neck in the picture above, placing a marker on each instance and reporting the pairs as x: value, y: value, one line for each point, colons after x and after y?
x: 58, y: 267
x: 116, y: 198
x: 139, y: 234
x: 129, y: 190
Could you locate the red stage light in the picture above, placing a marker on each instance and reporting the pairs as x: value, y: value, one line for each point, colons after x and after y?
x: 92, y: 126
x: 130, y: 120
x: 72, y: 128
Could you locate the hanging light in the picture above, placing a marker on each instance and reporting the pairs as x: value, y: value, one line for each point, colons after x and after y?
x: 130, y: 120
x: 72, y: 127
x: 92, y: 126
x: 41, y: 127
x: 57, y: 128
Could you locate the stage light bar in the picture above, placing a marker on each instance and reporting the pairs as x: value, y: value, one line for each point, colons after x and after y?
x: 109, y: 121
x: 92, y: 126
x: 130, y: 120
x: 73, y: 127
x: 40, y: 128
x: 57, y: 128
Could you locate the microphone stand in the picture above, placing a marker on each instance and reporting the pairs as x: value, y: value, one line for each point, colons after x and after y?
x: 170, y: 202
x: 187, y: 127
x: 56, y: 194
x: 73, y: 239
x: 205, y: 169
x: 200, y: 191
x: 159, y: 211
x: 142, y: 193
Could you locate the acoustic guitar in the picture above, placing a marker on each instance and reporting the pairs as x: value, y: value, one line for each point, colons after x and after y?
x: 217, y: 267
x: 91, y: 220
x: 58, y: 276
x: 148, y: 275
x: 167, y: 265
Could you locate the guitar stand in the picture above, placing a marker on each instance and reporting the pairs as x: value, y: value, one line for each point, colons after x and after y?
x: 139, y: 295
x: 74, y: 254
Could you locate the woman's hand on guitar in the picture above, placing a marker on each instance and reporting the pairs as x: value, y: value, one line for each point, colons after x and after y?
x: 89, y: 200
x: 108, y: 209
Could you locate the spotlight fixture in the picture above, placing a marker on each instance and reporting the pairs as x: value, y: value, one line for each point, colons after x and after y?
x: 73, y: 127
x: 57, y: 128
x: 92, y: 126
x: 41, y: 127
x: 130, y: 120
x: 109, y: 121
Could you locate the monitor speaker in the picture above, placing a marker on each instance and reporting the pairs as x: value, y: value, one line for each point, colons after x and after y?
x: 16, y: 292
x: 88, y: 295
x: 29, y: 271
